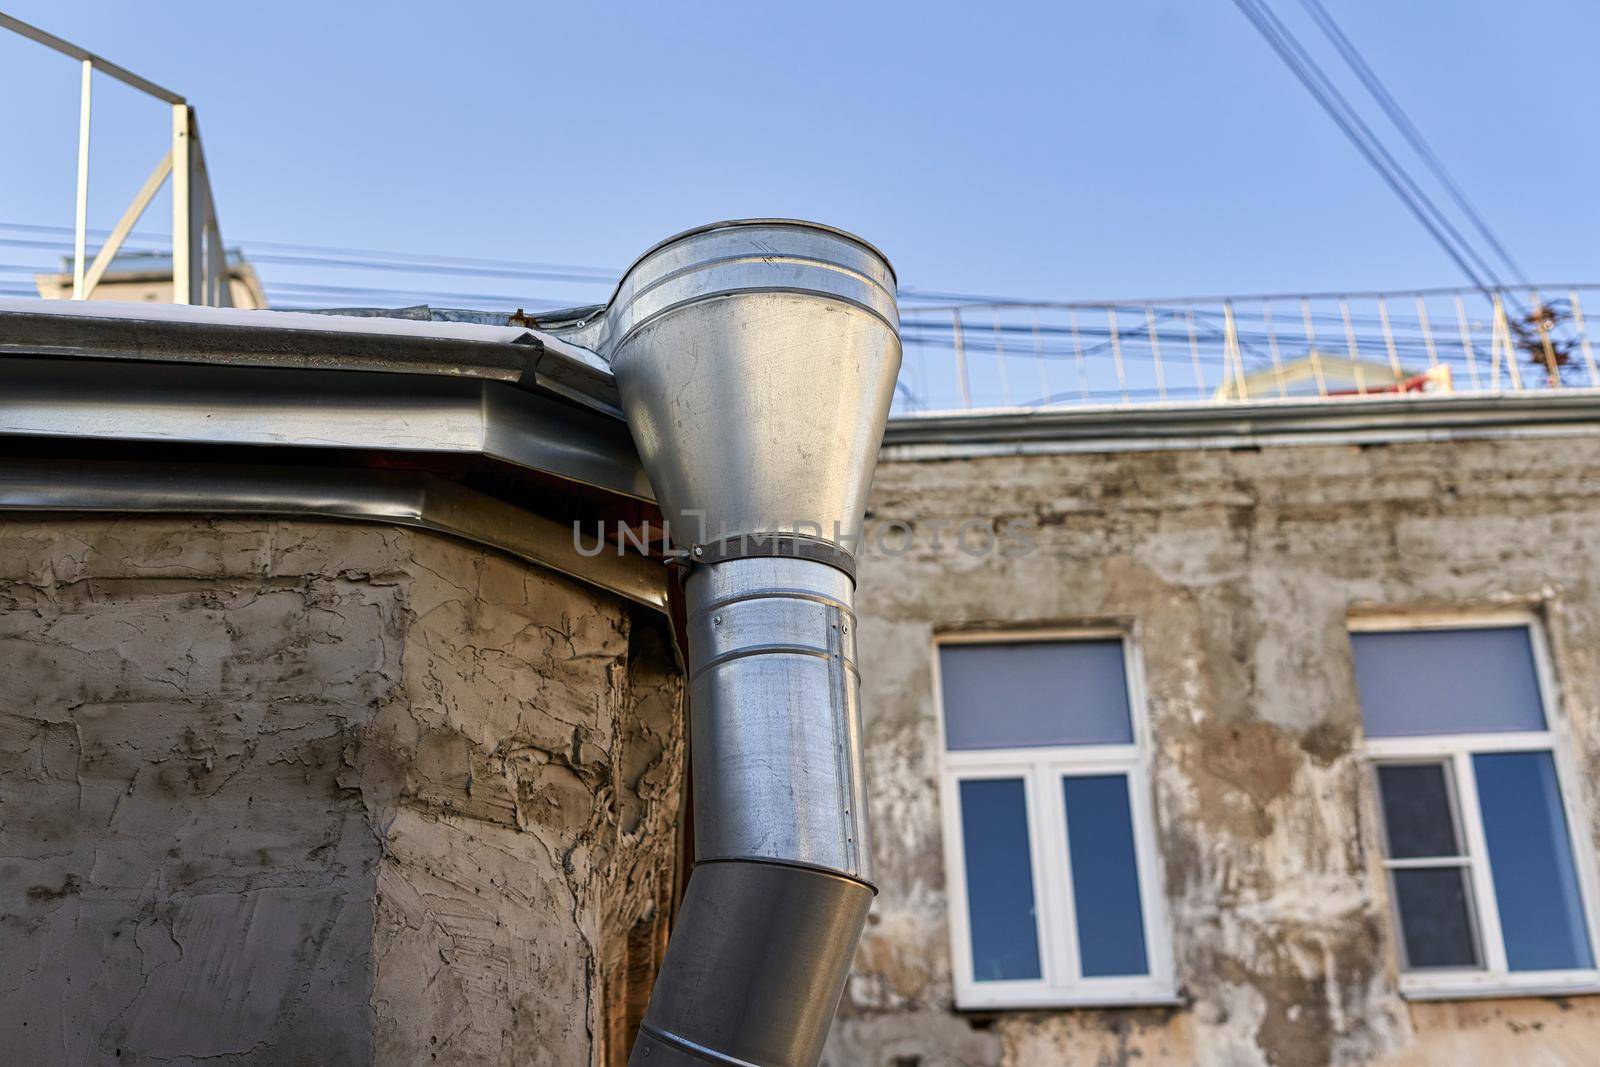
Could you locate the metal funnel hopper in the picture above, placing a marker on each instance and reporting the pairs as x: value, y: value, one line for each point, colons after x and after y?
x: 756, y: 362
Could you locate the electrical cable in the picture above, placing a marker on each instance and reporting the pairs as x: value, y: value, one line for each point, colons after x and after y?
x: 1328, y: 97
x: 1408, y: 130
x: 162, y: 242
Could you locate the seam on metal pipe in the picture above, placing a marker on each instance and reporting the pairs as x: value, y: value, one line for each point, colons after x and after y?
x: 809, y: 868
x: 656, y: 316
x: 774, y: 222
x: 770, y: 594
x: 771, y: 650
x: 699, y: 1051
x: 764, y: 260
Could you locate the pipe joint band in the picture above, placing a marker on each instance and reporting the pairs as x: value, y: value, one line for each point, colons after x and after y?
x: 775, y: 545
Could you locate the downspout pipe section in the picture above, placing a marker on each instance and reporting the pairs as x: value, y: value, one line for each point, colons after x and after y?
x: 756, y: 362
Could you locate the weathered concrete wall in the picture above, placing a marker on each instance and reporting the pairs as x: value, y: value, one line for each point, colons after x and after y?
x: 314, y: 793
x: 1237, y: 571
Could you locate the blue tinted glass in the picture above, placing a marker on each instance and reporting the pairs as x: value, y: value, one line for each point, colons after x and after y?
x: 1530, y: 856
x: 1416, y: 682
x: 1435, y: 917
x: 1105, y: 876
x: 994, y: 837
x: 1023, y: 693
x: 1416, y: 811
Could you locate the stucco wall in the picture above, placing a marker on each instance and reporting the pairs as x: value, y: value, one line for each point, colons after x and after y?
x: 314, y: 793
x: 1236, y: 571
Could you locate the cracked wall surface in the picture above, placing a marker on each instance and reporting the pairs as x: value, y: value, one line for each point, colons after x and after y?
x: 298, y: 792
x: 1237, y: 571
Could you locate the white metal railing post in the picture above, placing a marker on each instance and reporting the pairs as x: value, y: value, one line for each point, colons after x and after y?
x: 1494, y: 345
x: 1466, y: 342
x: 1000, y: 360
x: 1194, y: 354
x: 1353, y: 348
x: 1155, y: 350
x: 1500, y: 335
x: 1230, y: 351
x: 1116, y: 353
x: 961, y: 359
x: 1388, y: 340
x: 182, y: 207
x: 1311, y: 347
x: 1077, y: 356
x: 81, y: 228
x: 1427, y: 331
x: 1272, y: 347
x: 1583, y: 337
x: 1044, y: 365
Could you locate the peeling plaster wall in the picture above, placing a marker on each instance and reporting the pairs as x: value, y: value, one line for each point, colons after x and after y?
x: 314, y: 793
x: 1236, y: 571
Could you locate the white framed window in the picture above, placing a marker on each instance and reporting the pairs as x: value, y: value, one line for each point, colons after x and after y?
x: 1490, y: 869
x: 1055, y: 883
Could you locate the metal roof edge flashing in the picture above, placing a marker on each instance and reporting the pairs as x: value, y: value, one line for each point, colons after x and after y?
x: 386, y: 344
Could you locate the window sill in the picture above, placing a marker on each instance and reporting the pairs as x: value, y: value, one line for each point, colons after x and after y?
x: 1055, y: 999
x: 1499, y: 987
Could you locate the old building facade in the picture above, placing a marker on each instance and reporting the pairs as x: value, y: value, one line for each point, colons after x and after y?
x: 1234, y: 566
x: 299, y: 792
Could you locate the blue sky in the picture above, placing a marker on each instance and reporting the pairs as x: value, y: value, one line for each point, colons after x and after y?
x: 1059, y: 151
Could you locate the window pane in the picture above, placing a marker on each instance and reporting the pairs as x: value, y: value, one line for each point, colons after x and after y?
x: 1530, y: 856
x: 994, y: 836
x: 1416, y: 811
x: 1024, y: 693
x: 1415, y: 682
x: 1435, y: 917
x: 1105, y: 876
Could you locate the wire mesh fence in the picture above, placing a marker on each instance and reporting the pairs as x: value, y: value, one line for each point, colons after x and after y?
x: 1441, y: 341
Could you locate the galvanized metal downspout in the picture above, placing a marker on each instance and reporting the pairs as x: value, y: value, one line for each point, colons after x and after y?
x: 756, y: 362
x: 762, y: 946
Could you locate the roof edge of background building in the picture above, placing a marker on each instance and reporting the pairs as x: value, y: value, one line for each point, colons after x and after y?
x: 1242, y: 424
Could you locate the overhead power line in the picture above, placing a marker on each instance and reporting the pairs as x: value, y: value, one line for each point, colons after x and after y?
x: 278, y: 253
x: 1408, y: 130
x: 51, y: 237
x: 1349, y: 121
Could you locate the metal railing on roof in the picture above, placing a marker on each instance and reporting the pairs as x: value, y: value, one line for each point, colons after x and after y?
x: 199, y: 262
x: 1004, y: 354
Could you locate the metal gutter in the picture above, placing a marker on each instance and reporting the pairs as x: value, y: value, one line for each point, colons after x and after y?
x: 117, y: 400
x: 163, y: 333
x: 1356, y: 420
x: 403, y: 498
x: 174, y: 375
